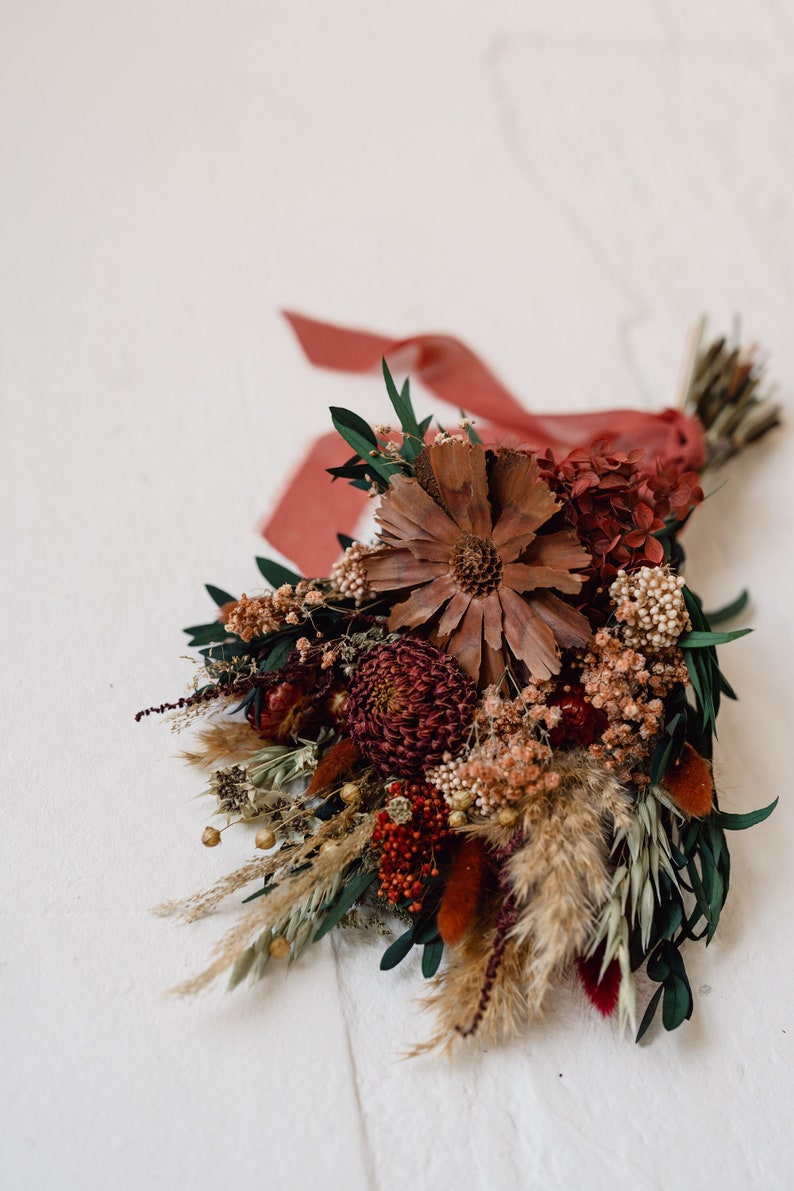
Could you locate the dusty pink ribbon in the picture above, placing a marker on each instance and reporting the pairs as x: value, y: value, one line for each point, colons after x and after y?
x: 457, y: 376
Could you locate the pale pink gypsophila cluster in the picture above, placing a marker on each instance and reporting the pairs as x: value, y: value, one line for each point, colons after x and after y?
x: 629, y: 688
x: 506, y: 762
x: 257, y: 617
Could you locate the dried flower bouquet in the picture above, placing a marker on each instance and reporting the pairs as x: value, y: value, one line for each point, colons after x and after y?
x: 491, y: 728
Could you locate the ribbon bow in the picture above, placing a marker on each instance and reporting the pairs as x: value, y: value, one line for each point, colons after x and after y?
x: 457, y: 376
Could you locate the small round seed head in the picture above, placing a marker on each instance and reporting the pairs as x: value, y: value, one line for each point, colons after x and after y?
x: 265, y: 839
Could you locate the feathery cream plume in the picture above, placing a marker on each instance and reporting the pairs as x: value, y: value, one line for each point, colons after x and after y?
x: 222, y: 742
x: 288, y: 892
x: 199, y: 905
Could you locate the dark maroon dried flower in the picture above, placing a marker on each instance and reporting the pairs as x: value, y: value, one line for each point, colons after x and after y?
x: 580, y: 723
x: 409, y: 703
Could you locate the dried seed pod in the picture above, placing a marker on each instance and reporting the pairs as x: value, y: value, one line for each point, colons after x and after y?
x: 265, y: 839
x: 279, y: 947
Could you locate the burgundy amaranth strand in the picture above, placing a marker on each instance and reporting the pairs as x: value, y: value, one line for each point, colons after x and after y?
x: 506, y: 920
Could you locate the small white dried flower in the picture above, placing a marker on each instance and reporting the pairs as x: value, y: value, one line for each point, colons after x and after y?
x: 650, y: 606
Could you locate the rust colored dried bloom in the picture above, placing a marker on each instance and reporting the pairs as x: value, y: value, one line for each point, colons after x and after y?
x: 616, y: 505
x: 409, y: 703
x: 690, y: 784
x: 462, y: 553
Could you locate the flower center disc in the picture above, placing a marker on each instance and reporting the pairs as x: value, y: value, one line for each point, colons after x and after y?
x: 475, y: 565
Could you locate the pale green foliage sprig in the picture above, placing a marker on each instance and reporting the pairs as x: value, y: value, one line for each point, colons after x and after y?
x: 643, y: 851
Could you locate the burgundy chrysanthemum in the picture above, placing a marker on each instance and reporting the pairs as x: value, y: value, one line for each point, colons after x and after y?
x: 409, y: 703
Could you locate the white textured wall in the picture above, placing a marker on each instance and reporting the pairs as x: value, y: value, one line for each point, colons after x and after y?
x: 566, y: 186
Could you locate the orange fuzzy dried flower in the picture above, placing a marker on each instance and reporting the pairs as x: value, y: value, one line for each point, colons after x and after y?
x: 690, y: 784
x: 463, y: 890
x: 337, y: 761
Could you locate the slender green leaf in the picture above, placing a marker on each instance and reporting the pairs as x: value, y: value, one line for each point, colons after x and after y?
x: 703, y: 640
x: 395, y: 954
x: 360, y: 437
x: 277, y: 656
x: 649, y: 1013
x: 276, y: 574
x: 677, y: 1004
x: 401, y: 403
x: 207, y: 634
x: 742, y: 822
x: 219, y: 595
x: 659, y: 965
x: 431, y: 958
x: 735, y: 608
x: 351, y: 893
x: 669, y: 918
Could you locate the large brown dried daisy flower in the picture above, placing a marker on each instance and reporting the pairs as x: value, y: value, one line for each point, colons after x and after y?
x: 463, y: 545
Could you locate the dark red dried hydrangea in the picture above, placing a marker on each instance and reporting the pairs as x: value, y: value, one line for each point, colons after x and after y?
x: 672, y: 493
x: 617, y: 504
x: 580, y: 724
x: 411, y: 847
x: 605, y: 503
x: 409, y: 703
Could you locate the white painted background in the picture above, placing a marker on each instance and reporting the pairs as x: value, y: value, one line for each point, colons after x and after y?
x: 566, y: 186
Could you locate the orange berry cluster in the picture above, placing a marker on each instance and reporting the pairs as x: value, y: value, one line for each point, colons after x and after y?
x: 410, y: 850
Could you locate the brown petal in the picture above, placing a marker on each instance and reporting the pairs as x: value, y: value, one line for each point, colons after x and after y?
x: 492, y: 666
x: 561, y: 550
x: 521, y: 577
x: 528, y: 637
x: 459, y: 469
x: 492, y: 621
x: 421, y: 604
x: 452, y: 614
x: 465, y: 644
x: 408, y: 510
x: 390, y: 568
x: 569, y: 626
x: 522, y: 499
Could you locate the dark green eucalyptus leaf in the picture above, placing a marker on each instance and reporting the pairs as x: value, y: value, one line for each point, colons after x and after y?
x: 669, y: 918
x: 742, y: 822
x: 649, y: 1013
x: 703, y: 639
x: 345, y: 541
x: 431, y: 958
x: 660, y: 762
x: 401, y: 403
x: 724, y: 686
x: 277, y: 655
x: 658, y: 967
x: 219, y: 595
x: 735, y: 608
x: 352, y: 892
x: 360, y: 437
x: 395, y: 954
x: 207, y: 634
x: 426, y: 931
x: 677, y: 1004
x: 276, y: 574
